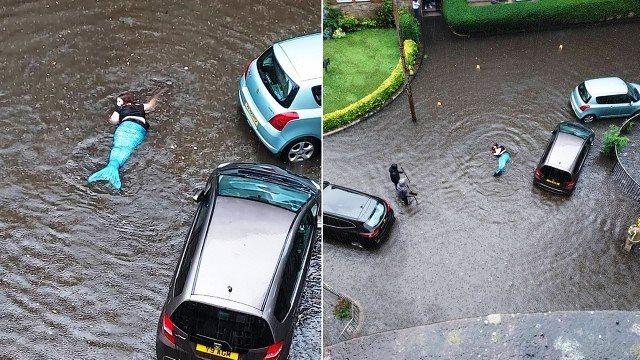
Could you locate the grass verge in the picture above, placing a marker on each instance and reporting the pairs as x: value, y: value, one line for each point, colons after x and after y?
x: 377, y: 97
x: 360, y: 62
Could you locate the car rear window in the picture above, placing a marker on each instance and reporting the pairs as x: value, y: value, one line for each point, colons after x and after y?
x: 575, y: 130
x: 239, y: 330
x: 375, y: 218
x: 263, y: 191
x: 584, y: 94
x: 555, y: 174
x: 275, y: 79
x: 633, y: 92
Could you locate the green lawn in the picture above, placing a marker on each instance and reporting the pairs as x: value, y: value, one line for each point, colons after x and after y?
x: 360, y: 62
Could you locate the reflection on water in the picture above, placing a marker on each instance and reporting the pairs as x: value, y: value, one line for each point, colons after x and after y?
x: 476, y: 244
x: 83, y: 269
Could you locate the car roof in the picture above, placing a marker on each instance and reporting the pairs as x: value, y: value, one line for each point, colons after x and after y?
x: 564, y: 151
x: 606, y: 86
x: 304, y: 54
x: 344, y: 202
x: 241, y: 250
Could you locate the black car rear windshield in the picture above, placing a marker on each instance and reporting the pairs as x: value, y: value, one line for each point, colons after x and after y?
x: 584, y: 94
x: 376, y: 217
x: 263, y: 191
x: 275, y: 79
x: 555, y: 174
x: 240, y: 331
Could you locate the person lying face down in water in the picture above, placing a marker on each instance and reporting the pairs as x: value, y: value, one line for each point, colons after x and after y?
x: 130, y: 117
x: 500, y: 151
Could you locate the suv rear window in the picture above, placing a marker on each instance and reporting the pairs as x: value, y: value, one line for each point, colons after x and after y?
x: 263, y: 191
x: 584, y: 94
x: 275, y: 79
x: 375, y: 218
x: 555, y: 174
x: 239, y: 330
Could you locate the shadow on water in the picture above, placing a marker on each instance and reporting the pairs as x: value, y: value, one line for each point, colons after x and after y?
x: 477, y: 244
x: 84, y: 270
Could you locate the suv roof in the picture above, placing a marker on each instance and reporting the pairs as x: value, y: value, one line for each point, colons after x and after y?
x: 344, y: 202
x: 234, y: 245
x: 566, y: 148
x: 304, y: 54
x: 606, y: 86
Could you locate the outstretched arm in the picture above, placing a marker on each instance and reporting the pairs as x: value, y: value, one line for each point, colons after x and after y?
x: 115, y: 118
x: 151, y: 105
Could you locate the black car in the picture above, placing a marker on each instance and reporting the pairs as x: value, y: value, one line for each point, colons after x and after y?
x: 236, y: 289
x: 560, y: 166
x: 350, y: 215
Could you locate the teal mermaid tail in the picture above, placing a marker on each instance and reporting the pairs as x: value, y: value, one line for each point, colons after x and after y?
x: 109, y: 173
x: 126, y: 138
x: 503, y: 160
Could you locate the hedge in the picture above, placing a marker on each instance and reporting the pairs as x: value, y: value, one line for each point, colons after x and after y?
x: 378, y: 97
x: 463, y: 18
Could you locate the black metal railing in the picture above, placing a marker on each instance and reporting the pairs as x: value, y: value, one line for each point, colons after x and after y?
x: 629, y: 185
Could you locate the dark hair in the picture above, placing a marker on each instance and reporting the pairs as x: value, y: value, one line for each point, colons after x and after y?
x: 127, y: 98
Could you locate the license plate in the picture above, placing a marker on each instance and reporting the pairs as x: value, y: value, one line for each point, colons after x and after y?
x: 552, y: 182
x: 216, y: 351
x: 250, y: 115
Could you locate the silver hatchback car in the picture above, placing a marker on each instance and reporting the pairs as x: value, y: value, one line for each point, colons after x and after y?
x: 605, y: 98
x: 236, y: 289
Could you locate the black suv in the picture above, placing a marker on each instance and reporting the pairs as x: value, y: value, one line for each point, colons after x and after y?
x: 237, y: 286
x: 560, y: 166
x: 349, y: 215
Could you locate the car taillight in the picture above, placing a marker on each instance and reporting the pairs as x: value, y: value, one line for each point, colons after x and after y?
x: 537, y: 174
x: 569, y: 185
x: 372, y: 234
x: 273, y: 351
x: 279, y: 121
x: 168, y: 328
x: 246, y: 69
x: 584, y: 107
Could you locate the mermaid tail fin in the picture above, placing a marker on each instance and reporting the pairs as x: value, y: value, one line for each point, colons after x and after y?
x: 110, y: 174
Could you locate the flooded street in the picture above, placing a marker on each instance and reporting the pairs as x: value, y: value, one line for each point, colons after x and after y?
x: 84, y: 270
x: 475, y: 244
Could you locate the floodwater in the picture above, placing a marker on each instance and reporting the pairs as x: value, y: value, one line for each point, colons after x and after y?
x: 85, y: 269
x: 474, y: 244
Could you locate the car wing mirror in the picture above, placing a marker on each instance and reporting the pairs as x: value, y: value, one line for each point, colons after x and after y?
x: 198, y: 196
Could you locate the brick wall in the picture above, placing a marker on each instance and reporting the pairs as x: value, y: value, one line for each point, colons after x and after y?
x: 362, y: 9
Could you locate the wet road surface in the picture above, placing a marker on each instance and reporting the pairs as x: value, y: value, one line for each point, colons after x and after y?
x: 84, y: 269
x: 475, y: 244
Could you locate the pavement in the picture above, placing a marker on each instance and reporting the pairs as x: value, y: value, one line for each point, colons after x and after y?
x: 567, y: 335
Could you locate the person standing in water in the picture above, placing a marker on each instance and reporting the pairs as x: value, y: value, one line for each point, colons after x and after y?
x: 394, y: 174
x: 130, y: 117
x: 403, y: 191
x: 416, y: 10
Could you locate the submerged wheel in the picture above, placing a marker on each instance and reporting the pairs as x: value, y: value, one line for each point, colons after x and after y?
x: 589, y: 118
x: 302, y: 149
